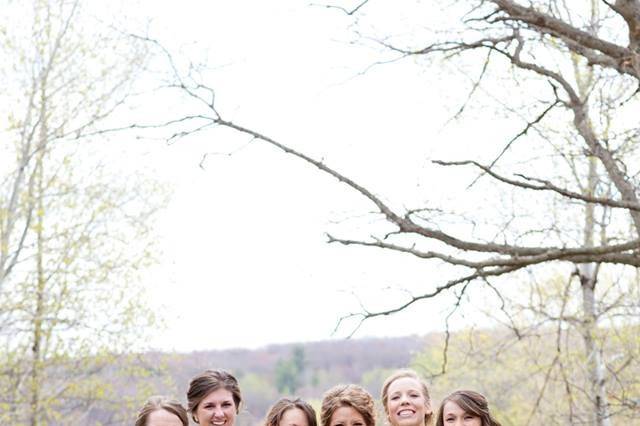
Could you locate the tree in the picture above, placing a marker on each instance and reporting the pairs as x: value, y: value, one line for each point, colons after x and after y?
x: 73, y: 235
x: 541, y: 377
x: 289, y: 373
x: 571, y: 78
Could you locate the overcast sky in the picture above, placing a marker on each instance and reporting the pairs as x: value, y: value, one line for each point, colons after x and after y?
x: 245, y: 259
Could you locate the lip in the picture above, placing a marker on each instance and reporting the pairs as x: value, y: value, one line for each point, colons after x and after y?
x: 405, y: 412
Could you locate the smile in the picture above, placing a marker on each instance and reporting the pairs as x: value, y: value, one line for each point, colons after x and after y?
x: 406, y: 413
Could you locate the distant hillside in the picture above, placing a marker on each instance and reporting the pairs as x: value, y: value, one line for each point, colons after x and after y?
x: 349, y: 358
x: 515, y: 372
x: 265, y: 374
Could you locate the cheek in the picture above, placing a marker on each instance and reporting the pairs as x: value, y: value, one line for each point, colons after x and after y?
x: 201, y: 413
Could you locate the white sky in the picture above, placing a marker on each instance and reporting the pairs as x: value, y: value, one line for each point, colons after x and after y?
x: 245, y: 259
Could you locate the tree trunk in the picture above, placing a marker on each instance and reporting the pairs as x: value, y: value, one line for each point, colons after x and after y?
x: 588, y: 280
x: 36, y: 348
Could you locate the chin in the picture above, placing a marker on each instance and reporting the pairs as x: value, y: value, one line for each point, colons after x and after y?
x: 409, y: 422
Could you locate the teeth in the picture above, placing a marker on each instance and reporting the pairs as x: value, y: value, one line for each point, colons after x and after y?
x: 405, y: 413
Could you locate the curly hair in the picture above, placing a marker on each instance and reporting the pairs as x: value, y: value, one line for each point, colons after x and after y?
x: 470, y: 402
x: 276, y: 412
x: 347, y: 396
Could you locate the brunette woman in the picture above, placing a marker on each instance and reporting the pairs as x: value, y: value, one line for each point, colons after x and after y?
x: 214, y: 398
x: 347, y: 405
x: 465, y: 408
x: 291, y: 412
x: 162, y: 411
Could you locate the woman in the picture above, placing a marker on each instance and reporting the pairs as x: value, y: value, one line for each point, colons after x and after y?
x: 406, y: 400
x: 291, y: 412
x: 465, y: 408
x: 214, y: 398
x: 347, y: 405
x: 162, y: 411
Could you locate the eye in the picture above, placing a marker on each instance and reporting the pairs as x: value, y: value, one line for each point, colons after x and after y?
x: 395, y: 397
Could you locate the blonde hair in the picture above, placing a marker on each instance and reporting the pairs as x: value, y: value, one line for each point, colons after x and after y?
x: 399, y: 374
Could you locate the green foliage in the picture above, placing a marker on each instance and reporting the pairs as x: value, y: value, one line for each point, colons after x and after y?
x: 289, y: 372
x: 74, y: 235
x: 528, y: 380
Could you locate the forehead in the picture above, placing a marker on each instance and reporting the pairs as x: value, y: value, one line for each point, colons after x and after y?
x: 346, y: 412
x: 296, y: 416
x: 404, y: 384
x: 163, y: 418
x: 451, y: 407
x: 218, y: 395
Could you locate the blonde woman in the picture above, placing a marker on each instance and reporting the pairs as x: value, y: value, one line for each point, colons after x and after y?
x: 406, y: 400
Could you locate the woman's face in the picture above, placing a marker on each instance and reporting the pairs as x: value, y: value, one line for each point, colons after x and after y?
x: 406, y: 404
x: 294, y: 417
x: 347, y: 416
x: 453, y: 415
x: 163, y: 418
x: 217, y: 408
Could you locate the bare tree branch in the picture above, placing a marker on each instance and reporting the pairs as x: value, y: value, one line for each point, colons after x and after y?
x: 545, y: 186
x: 343, y: 9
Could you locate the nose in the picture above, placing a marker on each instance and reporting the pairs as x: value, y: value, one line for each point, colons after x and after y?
x: 217, y: 412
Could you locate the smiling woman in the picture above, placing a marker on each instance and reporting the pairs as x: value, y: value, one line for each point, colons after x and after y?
x: 214, y: 398
x: 291, y: 412
x: 162, y: 411
x: 406, y: 400
x: 465, y: 408
x: 347, y: 405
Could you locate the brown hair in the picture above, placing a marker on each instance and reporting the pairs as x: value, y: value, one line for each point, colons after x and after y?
x: 276, y: 412
x: 347, y: 396
x: 208, y: 381
x: 471, y: 402
x: 399, y: 374
x: 156, y: 403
